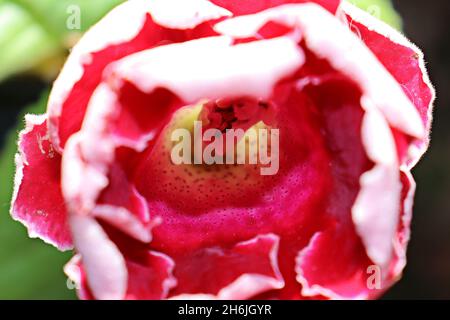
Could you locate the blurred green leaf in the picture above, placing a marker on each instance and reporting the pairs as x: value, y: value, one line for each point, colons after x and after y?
x: 23, y: 41
x: 53, y: 15
x: 29, y: 268
x: 34, y: 32
x: 381, y: 9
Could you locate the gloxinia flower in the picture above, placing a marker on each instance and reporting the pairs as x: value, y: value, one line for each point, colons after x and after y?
x: 350, y: 100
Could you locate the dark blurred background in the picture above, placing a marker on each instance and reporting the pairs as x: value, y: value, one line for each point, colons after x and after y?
x: 427, y: 275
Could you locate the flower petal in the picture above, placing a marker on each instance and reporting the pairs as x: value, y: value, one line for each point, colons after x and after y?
x: 121, y: 205
x: 37, y: 200
x: 376, y: 209
x: 211, y: 68
x: 330, y: 39
x: 343, y: 265
x: 105, y: 266
x: 404, y: 61
x: 188, y: 13
x: 245, y: 270
x: 152, y: 280
x: 127, y: 29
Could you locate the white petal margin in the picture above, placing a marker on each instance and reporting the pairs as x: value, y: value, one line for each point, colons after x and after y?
x: 330, y: 39
x: 376, y: 209
x: 380, y: 27
x: 81, y: 183
x: 247, y: 285
x: 401, y: 242
x: 122, y: 24
x: 185, y: 14
x: 211, y: 68
x: 104, y: 264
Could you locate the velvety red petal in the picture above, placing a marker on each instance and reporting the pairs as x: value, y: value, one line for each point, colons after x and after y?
x: 121, y: 205
x: 152, y: 280
x: 343, y: 266
x: 141, y: 116
x: 37, y: 201
x: 239, y: 272
x: 403, y: 60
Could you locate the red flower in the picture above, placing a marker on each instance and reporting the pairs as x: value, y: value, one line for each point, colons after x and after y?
x: 348, y: 95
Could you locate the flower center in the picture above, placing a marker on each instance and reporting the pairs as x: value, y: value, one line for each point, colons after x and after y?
x: 226, y: 114
x: 225, y: 132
